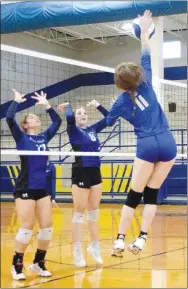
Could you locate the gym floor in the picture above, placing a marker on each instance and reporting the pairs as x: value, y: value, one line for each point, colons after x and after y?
x: 162, y: 264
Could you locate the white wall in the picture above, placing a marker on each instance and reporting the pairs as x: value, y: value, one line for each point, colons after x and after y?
x: 23, y: 40
x: 178, y: 61
x: 122, y: 48
x: 128, y: 49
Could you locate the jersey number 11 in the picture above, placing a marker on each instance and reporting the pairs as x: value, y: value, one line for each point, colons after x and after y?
x: 141, y: 102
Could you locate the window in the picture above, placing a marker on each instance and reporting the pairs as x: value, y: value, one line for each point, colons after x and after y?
x: 171, y: 49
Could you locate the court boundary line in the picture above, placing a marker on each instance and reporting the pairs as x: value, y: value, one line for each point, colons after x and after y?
x: 104, y: 267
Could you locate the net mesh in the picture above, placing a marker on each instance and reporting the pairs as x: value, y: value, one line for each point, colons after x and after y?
x: 28, y: 74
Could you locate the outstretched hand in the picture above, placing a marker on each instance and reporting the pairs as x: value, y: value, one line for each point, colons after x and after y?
x: 145, y: 21
x: 41, y: 99
x: 62, y: 107
x: 93, y: 103
x: 18, y: 97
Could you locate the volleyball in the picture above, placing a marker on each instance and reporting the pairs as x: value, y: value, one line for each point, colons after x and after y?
x: 137, y: 29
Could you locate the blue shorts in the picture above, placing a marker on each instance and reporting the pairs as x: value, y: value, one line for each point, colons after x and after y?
x: 158, y: 148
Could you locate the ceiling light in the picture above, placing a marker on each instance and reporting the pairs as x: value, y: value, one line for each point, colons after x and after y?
x: 127, y: 26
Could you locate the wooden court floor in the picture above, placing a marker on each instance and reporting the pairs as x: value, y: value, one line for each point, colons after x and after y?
x: 163, y: 264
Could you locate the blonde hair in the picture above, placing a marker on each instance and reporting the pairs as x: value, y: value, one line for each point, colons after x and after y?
x: 127, y: 77
x: 23, y: 122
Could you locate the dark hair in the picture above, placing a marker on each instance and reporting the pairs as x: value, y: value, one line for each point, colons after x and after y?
x: 127, y: 77
x: 77, y: 109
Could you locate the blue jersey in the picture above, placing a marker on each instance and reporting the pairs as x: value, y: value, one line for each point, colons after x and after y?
x: 85, y: 140
x: 149, y: 118
x: 33, y: 168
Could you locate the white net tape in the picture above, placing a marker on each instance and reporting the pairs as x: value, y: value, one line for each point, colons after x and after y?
x: 60, y: 153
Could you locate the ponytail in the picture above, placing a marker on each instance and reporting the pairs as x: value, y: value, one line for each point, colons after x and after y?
x: 133, y: 98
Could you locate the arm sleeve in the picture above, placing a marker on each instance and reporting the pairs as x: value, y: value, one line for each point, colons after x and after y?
x: 146, y: 65
x: 71, y: 123
x: 103, y: 110
x: 56, y: 123
x: 13, y: 126
x: 100, y: 125
x: 114, y: 113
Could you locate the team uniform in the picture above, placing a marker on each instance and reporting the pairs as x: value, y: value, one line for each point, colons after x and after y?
x: 32, y: 180
x: 86, y: 169
x: 155, y: 142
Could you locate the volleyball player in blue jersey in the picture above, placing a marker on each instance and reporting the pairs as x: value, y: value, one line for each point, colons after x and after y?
x: 156, y: 147
x: 86, y: 178
x: 31, y: 197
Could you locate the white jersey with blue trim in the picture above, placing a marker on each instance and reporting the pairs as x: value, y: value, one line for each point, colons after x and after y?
x: 149, y: 118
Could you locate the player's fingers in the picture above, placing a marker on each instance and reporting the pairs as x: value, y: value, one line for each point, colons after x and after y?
x: 60, y: 109
x: 37, y: 94
x: 60, y: 106
x: 147, y: 13
x: 34, y: 97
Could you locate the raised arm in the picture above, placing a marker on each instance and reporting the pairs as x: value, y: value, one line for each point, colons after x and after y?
x: 103, y: 110
x: 99, y: 125
x: 114, y: 113
x: 67, y: 109
x: 56, y: 123
x: 10, y: 117
x: 56, y: 119
x: 145, y: 23
x: 98, y: 106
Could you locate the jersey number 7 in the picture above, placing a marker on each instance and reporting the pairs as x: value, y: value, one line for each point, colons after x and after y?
x: 141, y: 102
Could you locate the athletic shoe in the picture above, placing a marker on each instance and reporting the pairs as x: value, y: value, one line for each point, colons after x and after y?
x: 40, y: 269
x: 94, y: 251
x: 17, y: 273
x: 138, y: 245
x: 79, y: 258
x: 119, y: 247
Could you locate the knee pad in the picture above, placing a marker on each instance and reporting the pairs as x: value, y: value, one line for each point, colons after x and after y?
x: 150, y: 196
x: 24, y: 235
x: 45, y: 234
x: 93, y: 216
x: 78, y: 218
x: 133, y: 199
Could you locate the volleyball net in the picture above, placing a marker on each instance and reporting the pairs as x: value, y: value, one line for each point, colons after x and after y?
x: 173, y: 98
x: 78, y: 84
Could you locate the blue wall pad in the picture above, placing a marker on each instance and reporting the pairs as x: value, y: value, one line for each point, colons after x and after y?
x: 17, y: 17
x: 175, y: 73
